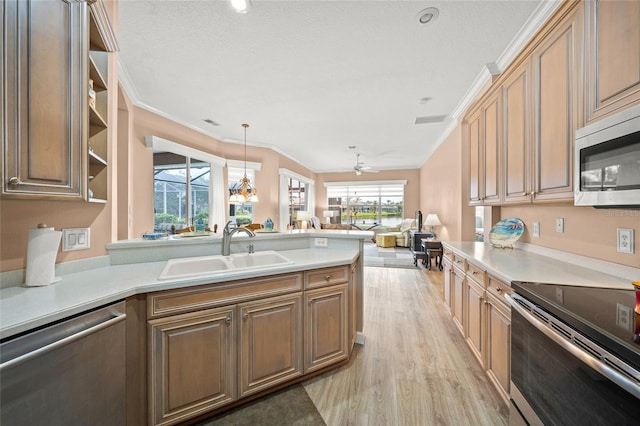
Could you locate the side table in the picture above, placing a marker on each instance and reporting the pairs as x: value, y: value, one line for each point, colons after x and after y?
x: 432, y: 249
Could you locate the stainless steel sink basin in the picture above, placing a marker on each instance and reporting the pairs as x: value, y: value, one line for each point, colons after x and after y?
x: 209, y: 265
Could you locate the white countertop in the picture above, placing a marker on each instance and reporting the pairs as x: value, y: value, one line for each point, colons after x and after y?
x: 24, y: 308
x: 520, y: 265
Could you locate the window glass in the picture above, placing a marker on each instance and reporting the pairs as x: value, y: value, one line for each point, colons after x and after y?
x: 297, y: 198
x: 181, y: 191
x: 366, y: 205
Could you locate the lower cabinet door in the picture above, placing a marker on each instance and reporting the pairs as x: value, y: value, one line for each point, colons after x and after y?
x: 474, y: 327
x: 192, y: 364
x: 499, y: 345
x: 270, y: 342
x: 326, y: 327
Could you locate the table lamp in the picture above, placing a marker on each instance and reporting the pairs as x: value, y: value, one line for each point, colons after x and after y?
x: 303, y: 216
x: 432, y: 220
x: 328, y: 214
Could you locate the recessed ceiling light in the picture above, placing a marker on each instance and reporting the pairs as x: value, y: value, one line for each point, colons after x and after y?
x: 210, y: 121
x: 351, y: 147
x: 431, y: 119
x: 240, y: 6
x: 425, y: 99
x: 428, y: 15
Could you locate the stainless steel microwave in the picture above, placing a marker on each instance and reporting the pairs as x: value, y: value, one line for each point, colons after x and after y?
x: 607, y: 162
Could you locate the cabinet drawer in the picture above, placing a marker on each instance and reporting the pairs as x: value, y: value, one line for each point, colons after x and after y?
x: 448, y: 254
x: 475, y: 273
x: 459, y: 262
x: 171, y: 302
x: 326, y: 276
x: 498, y: 288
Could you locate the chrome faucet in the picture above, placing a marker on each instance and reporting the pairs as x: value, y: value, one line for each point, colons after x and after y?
x: 226, y: 237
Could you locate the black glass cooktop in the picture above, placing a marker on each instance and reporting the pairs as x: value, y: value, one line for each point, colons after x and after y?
x: 602, y: 314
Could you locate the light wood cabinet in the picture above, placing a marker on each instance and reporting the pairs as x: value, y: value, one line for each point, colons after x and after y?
x: 44, y: 99
x: 447, y: 292
x: 612, y: 56
x: 326, y: 327
x: 457, y: 294
x: 486, y: 317
x: 498, y: 339
x: 483, y: 139
x: 555, y: 109
x: 474, y: 315
x: 270, y: 342
x: 192, y: 364
x: 353, y: 305
x: 213, y: 344
x: 517, y: 158
x: 50, y: 121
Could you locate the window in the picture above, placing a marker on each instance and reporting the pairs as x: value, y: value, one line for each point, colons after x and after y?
x: 367, y: 204
x: 296, y: 194
x: 181, y: 191
x: 188, y: 186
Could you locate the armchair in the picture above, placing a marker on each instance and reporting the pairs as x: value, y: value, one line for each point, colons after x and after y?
x: 403, y: 232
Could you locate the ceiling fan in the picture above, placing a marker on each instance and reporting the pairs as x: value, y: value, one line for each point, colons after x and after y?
x: 360, y: 167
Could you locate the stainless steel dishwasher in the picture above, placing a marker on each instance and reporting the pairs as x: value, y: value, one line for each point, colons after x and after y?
x: 69, y: 373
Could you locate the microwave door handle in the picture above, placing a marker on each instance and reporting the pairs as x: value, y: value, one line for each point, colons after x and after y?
x: 617, y: 378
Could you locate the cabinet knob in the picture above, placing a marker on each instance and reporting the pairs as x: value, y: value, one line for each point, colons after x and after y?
x: 327, y: 278
x: 245, y: 316
x: 14, y: 181
x: 498, y: 289
x: 228, y: 320
x: 525, y: 194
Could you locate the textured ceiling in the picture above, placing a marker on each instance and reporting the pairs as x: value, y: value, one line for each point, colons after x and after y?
x: 313, y: 77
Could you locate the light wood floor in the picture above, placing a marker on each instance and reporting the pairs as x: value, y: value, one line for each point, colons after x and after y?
x: 414, y: 368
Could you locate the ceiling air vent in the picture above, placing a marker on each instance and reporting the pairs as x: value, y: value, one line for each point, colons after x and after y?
x: 431, y: 119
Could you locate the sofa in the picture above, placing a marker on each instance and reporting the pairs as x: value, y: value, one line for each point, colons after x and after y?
x: 402, y: 232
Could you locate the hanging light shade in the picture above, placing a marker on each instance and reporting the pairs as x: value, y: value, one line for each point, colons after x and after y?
x: 246, y: 193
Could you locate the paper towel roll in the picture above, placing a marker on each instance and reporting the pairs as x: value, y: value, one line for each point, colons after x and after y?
x: 42, y: 249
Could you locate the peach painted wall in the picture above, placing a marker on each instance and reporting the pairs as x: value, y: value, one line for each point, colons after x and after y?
x: 411, y: 189
x: 146, y: 123
x: 441, y: 189
x: 587, y: 231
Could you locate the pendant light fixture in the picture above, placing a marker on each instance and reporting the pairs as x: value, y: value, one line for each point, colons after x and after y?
x: 247, y: 192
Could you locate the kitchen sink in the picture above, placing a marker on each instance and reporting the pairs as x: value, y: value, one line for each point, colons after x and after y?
x: 210, y: 265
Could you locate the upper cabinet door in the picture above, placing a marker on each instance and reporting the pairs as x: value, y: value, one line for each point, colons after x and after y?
x: 517, y: 137
x: 491, y: 152
x: 612, y: 56
x: 473, y: 132
x: 44, y: 58
x: 555, y: 110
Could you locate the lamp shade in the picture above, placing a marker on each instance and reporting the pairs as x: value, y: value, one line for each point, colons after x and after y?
x: 303, y: 215
x: 432, y: 220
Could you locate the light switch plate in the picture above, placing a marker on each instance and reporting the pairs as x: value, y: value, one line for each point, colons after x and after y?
x: 75, y: 239
x: 625, y: 240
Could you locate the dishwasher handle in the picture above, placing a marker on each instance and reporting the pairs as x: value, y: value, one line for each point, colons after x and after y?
x: 62, y: 342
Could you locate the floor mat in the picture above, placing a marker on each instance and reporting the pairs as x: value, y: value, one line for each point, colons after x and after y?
x: 291, y: 407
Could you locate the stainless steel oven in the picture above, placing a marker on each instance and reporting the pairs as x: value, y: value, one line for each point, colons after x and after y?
x: 574, y: 360
x: 607, y: 162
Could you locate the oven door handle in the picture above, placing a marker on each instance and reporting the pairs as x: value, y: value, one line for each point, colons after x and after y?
x: 617, y: 378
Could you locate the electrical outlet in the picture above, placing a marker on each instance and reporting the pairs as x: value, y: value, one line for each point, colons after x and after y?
x: 624, y: 317
x: 75, y: 239
x: 536, y: 229
x: 320, y: 242
x: 560, y: 225
x: 625, y: 240
x: 559, y: 295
